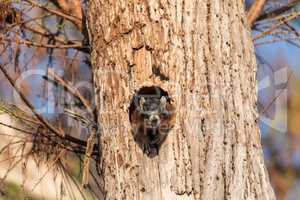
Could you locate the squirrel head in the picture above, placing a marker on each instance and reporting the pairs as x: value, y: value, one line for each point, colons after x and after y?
x: 152, y: 109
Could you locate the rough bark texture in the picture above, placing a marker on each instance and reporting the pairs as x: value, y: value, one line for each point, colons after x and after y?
x: 204, y: 55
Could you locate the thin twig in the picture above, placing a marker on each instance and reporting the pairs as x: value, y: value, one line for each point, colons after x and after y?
x: 293, y: 30
x: 73, y: 19
x: 68, y: 177
x: 45, y: 33
x: 50, y: 166
x: 273, y: 40
x: 52, y: 46
x: 291, y: 17
x: 278, y: 11
x: 13, y: 111
x: 265, y: 109
x: 71, y: 89
x: 22, y: 96
x: 87, y: 157
x: 77, y: 116
x: 17, y: 129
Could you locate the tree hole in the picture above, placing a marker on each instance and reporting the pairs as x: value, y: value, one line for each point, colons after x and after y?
x: 151, y: 115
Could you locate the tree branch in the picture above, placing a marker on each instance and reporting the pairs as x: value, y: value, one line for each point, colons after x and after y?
x: 22, y: 96
x: 282, y: 21
x: 278, y: 11
x: 255, y: 11
x: 43, y: 32
x: 70, y: 89
x: 77, y: 21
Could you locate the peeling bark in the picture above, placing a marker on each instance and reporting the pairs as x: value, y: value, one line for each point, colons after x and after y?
x: 203, y: 51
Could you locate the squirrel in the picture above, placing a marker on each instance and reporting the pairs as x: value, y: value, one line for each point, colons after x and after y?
x: 152, y: 118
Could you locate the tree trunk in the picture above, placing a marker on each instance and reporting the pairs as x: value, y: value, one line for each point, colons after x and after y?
x: 201, y: 53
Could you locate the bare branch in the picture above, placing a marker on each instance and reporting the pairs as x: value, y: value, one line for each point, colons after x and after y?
x: 255, y: 11
x: 71, y: 89
x: 273, y: 40
x: 87, y: 157
x: 77, y: 21
x: 281, y: 22
x: 44, y: 32
x: 266, y: 108
x: 278, y: 11
x: 22, y: 96
x: 16, y: 128
x: 36, y: 44
x: 73, y: 9
x: 59, y: 132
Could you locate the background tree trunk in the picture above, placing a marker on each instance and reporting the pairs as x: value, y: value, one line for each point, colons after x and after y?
x: 205, y: 59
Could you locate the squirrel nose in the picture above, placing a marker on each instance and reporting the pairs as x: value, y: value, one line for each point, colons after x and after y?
x: 154, y: 119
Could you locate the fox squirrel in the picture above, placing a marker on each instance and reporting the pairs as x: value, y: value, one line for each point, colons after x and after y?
x: 152, y: 117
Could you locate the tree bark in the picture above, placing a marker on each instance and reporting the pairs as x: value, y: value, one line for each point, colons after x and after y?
x: 201, y: 53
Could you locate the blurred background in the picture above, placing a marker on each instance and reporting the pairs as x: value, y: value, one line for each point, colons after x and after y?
x: 47, y: 39
x: 278, y: 59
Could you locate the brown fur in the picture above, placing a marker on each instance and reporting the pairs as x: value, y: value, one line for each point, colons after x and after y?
x: 151, y: 145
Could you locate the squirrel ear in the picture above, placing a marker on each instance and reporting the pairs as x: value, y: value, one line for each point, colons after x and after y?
x: 163, y: 101
x: 141, y: 102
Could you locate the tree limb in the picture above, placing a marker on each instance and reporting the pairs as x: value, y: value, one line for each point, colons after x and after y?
x: 278, y: 11
x: 22, y: 96
x: 77, y: 21
x: 71, y: 89
x: 255, y: 11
